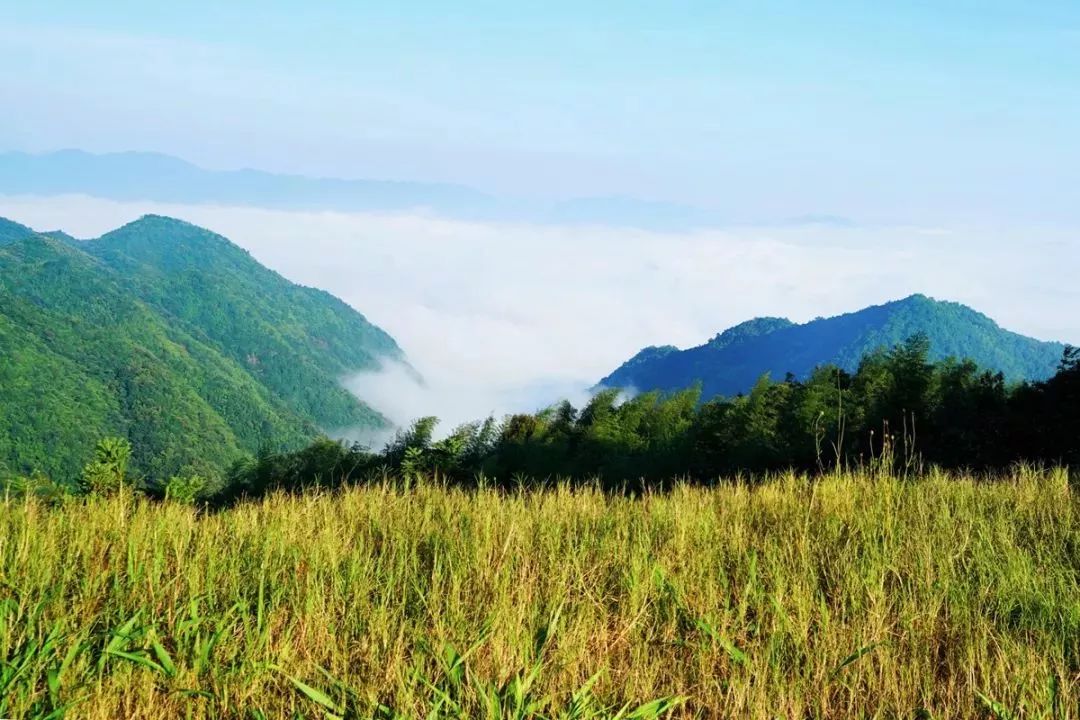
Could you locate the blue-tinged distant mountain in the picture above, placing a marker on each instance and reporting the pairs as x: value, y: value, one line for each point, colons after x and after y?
x: 141, y: 176
x: 733, y: 361
x: 161, y: 178
x: 175, y: 338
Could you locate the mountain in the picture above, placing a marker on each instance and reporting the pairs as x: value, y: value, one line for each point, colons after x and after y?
x: 143, y: 176
x: 12, y: 231
x: 162, y: 178
x: 732, y: 361
x: 175, y: 338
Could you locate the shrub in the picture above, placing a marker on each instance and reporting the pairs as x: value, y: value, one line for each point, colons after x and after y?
x: 107, y: 472
x: 185, y: 488
x: 37, y: 485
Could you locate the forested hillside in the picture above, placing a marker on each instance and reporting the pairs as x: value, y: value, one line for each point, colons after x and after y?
x: 12, y: 231
x: 733, y: 361
x: 298, y: 341
x: 898, y: 413
x: 174, y: 338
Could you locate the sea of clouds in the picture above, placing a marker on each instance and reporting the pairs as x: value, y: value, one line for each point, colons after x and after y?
x: 501, y: 317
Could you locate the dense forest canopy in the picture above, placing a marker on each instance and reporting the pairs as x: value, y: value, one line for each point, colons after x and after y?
x: 733, y: 361
x: 174, y: 338
x: 898, y: 412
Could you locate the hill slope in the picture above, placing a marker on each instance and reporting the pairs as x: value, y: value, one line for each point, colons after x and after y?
x: 175, y: 338
x: 732, y: 361
x: 298, y: 341
x: 12, y: 231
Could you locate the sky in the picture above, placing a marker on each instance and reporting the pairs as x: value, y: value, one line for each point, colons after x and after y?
x: 911, y: 112
x: 944, y: 134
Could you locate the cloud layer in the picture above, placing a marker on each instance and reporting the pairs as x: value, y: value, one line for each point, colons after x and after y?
x: 504, y: 317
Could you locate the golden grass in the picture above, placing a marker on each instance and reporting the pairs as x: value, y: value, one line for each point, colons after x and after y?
x: 851, y: 596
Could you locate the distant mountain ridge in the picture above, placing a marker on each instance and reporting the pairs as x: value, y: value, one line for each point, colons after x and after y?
x: 152, y: 176
x: 172, y: 336
x: 143, y: 176
x: 732, y: 361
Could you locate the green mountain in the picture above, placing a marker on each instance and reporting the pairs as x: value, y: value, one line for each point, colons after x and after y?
x: 12, y: 231
x: 175, y: 338
x: 732, y: 361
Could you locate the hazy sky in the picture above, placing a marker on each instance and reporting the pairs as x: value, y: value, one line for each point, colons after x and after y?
x: 910, y: 112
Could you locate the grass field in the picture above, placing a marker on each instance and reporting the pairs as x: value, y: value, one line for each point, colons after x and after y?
x: 851, y: 596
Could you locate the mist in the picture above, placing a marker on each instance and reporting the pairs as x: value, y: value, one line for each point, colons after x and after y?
x: 504, y: 317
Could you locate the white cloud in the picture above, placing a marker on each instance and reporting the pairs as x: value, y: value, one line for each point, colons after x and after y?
x: 502, y: 317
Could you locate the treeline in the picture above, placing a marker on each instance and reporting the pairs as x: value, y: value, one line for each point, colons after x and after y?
x: 897, y: 410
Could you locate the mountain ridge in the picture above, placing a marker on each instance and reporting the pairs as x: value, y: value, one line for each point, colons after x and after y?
x: 227, y: 276
x: 734, y: 359
x: 11, y: 231
x: 150, y: 176
x: 130, y: 334
x: 131, y: 176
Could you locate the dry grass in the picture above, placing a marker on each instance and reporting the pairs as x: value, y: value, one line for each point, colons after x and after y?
x: 852, y: 596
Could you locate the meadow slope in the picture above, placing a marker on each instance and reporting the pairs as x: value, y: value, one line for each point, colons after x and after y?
x: 849, y: 596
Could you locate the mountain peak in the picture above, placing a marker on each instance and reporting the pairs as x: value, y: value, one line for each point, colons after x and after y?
x: 750, y: 328
x: 653, y: 352
x: 733, y: 360
x: 168, y: 243
x: 61, y: 235
x: 920, y: 300
x: 151, y: 221
x: 162, y: 325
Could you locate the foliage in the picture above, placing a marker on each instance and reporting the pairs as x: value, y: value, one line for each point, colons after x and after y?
x: 849, y: 595
x: 898, y: 412
x: 13, y: 231
x: 297, y: 341
x: 174, y: 338
x: 106, y: 474
x: 185, y: 488
x: 35, y: 485
x: 734, y: 360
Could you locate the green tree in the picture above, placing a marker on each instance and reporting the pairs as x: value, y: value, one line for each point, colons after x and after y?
x: 106, y: 474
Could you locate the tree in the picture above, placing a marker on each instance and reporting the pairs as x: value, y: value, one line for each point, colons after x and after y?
x: 106, y: 474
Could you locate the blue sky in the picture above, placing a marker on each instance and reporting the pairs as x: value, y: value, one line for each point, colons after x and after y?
x: 929, y: 113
